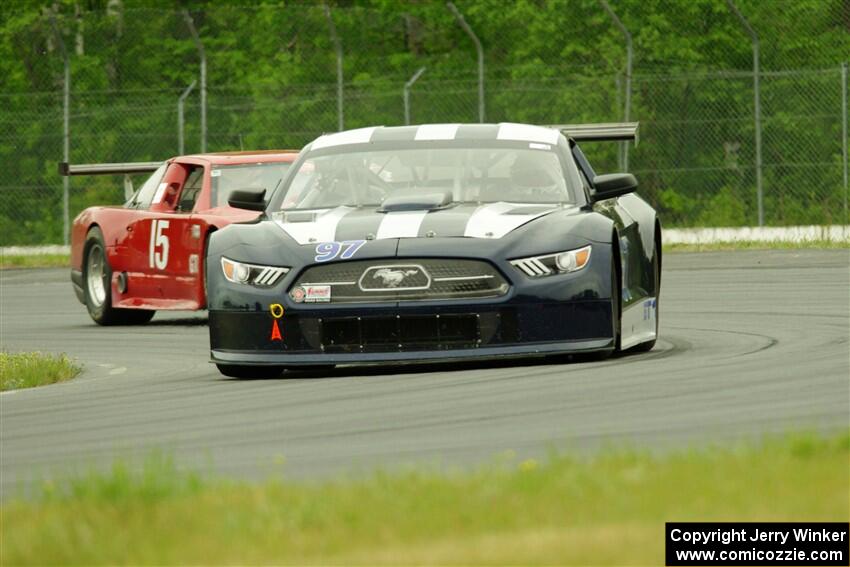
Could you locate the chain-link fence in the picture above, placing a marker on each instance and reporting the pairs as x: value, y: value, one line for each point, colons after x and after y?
x: 696, y: 159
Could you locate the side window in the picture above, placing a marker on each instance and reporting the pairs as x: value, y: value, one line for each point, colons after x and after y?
x: 191, y: 190
x: 142, y: 198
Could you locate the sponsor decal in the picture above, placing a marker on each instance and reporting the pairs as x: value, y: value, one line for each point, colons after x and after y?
x: 649, y: 309
x: 315, y: 294
x: 298, y: 294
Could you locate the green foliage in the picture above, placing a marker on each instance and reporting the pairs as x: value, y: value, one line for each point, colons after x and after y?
x: 29, y: 369
x: 725, y: 208
x: 35, y: 261
x: 272, y: 72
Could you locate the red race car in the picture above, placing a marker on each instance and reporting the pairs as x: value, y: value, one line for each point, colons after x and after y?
x: 127, y: 262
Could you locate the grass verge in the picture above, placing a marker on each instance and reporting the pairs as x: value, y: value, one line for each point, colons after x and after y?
x: 8, y: 261
x: 29, y: 369
x: 605, y: 509
x: 757, y: 245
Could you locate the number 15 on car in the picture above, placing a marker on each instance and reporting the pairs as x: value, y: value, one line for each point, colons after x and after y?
x: 159, y: 244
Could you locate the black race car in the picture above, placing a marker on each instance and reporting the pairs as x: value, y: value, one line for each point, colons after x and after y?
x: 436, y: 242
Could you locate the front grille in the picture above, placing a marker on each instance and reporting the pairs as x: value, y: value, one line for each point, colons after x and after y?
x: 405, y: 333
x: 403, y: 280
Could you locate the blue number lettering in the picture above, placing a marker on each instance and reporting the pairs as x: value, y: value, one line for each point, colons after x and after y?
x: 353, y: 247
x: 327, y: 251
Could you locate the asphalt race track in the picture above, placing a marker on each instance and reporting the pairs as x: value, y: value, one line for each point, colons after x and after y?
x: 751, y: 342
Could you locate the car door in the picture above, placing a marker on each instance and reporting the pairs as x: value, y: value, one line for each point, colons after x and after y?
x: 166, y: 243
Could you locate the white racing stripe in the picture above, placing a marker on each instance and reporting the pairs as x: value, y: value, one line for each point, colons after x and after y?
x: 436, y: 132
x: 359, y: 136
x: 491, y: 221
x: 527, y: 133
x: 403, y: 224
x: 321, y: 229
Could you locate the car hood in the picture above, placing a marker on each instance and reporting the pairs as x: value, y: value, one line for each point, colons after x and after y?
x: 490, y: 220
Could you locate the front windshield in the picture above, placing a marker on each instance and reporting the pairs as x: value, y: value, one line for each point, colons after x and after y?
x: 483, y: 175
x: 229, y: 178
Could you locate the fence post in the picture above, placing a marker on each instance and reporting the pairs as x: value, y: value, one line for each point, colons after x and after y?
x: 407, y: 86
x: 180, y: 100
x: 66, y: 130
x: 627, y: 105
x: 202, y: 54
x: 757, y: 103
x: 844, y: 135
x: 339, y: 78
x: 480, y: 50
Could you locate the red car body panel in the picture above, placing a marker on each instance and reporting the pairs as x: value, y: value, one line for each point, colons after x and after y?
x: 159, y: 248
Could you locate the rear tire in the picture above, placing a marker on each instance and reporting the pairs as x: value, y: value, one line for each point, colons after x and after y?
x: 97, y: 286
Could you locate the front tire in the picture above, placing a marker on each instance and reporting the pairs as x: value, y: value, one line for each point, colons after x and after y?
x: 97, y: 286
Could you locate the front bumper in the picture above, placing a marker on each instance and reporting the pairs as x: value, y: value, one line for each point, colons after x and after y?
x: 410, y: 333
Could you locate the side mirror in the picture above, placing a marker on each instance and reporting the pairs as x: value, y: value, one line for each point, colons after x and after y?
x: 249, y: 199
x: 613, y: 185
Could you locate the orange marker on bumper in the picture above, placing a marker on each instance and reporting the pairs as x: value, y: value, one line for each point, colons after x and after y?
x: 276, y: 336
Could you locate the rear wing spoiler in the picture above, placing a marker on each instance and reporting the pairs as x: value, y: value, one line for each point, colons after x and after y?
x: 66, y: 169
x: 608, y: 132
x: 125, y: 169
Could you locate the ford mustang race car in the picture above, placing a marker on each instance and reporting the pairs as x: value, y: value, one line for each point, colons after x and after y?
x: 436, y: 242
x: 129, y: 261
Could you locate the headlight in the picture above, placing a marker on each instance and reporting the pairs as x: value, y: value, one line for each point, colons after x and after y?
x: 262, y: 276
x: 558, y: 263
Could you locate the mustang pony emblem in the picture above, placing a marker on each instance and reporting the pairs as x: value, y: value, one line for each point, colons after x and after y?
x: 393, y: 278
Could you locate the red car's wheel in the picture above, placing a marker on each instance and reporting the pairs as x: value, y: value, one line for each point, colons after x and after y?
x: 97, y: 288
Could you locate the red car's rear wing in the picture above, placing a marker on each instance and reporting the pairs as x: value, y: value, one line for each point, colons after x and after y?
x: 608, y: 132
x: 66, y: 168
x: 125, y: 169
